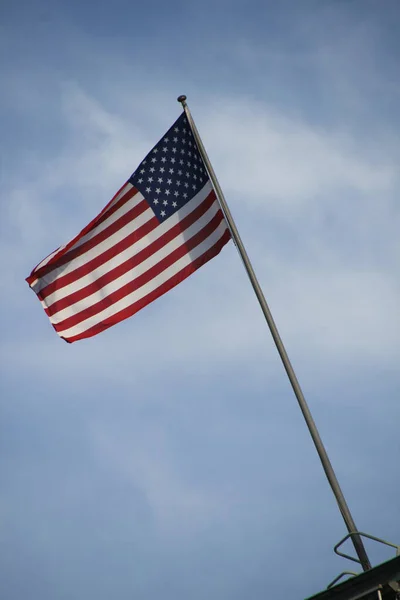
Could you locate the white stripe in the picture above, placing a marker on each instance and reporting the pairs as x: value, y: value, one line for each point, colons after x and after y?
x: 131, y: 203
x: 35, y: 285
x: 149, y: 287
x: 132, y: 274
x: 49, y: 257
x: 128, y: 186
x: 131, y: 251
x: 98, y: 228
x: 86, y: 257
x: 120, y: 235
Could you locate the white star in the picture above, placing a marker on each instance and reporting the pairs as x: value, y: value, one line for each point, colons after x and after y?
x: 148, y: 189
x: 195, y: 176
x: 178, y: 183
x: 180, y: 172
x: 194, y: 166
x: 150, y: 179
x: 155, y: 150
x: 176, y: 129
x: 140, y: 180
x: 165, y: 202
x: 181, y: 162
x: 193, y: 186
x: 169, y: 181
x: 176, y: 194
x: 162, y: 170
x: 153, y: 160
x: 165, y: 149
x: 185, y: 195
x: 187, y: 174
x: 163, y: 213
x: 183, y: 151
x: 158, y: 191
x: 173, y: 160
x: 160, y: 180
x: 171, y: 171
x: 174, y: 204
x: 142, y: 171
x: 163, y: 159
x: 166, y: 140
x: 190, y: 154
x: 189, y: 164
x: 152, y: 169
x: 155, y: 200
x: 186, y: 184
x: 175, y: 139
x: 167, y: 192
x: 174, y: 150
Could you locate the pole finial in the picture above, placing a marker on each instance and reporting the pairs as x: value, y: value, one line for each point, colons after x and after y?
x: 182, y: 99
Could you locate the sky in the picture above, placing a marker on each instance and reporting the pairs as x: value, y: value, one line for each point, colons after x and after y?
x: 167, y: 456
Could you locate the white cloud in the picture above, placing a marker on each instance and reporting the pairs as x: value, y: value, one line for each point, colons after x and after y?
x: 144, y: 460
x: 292, y: 165
x: 331, y: 295
x: 184, y: 411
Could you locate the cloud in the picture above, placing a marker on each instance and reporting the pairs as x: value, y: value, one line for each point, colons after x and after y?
x: 168, y: 454
x: 280, y: 175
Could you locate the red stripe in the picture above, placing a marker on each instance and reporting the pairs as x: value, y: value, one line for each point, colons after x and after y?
x: 123, y: 200
x: 129, y: 264
x: 36, y: 272
x: 162, y: 289
x: 99, y: 260
x: 97, y: 239
x: 142, y: 279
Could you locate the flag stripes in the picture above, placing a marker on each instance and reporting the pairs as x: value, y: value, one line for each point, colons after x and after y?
x: 126, y: 260
x: 163, y: 224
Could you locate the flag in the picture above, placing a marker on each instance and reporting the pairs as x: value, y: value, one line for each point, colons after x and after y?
x: 163, y: 224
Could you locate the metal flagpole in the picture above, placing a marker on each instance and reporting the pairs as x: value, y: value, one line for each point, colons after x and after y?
x: 329, y: 472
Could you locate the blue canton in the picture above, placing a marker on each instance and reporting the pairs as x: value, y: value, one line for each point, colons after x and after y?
x: 172, y: 173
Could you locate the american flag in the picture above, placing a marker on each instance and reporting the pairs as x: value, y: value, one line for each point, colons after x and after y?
x: 163, y: 224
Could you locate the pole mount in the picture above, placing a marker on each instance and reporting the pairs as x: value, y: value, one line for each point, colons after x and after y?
x: 182, y: 99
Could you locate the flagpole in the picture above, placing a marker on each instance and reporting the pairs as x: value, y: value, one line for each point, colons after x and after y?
x: 326, y: 464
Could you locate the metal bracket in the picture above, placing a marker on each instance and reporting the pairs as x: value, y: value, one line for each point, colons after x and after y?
x: 342, y: 574
x: 393, y: 584
x: 366, y: 535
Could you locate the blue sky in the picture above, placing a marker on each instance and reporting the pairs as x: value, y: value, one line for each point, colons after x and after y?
x: 167, y: 456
